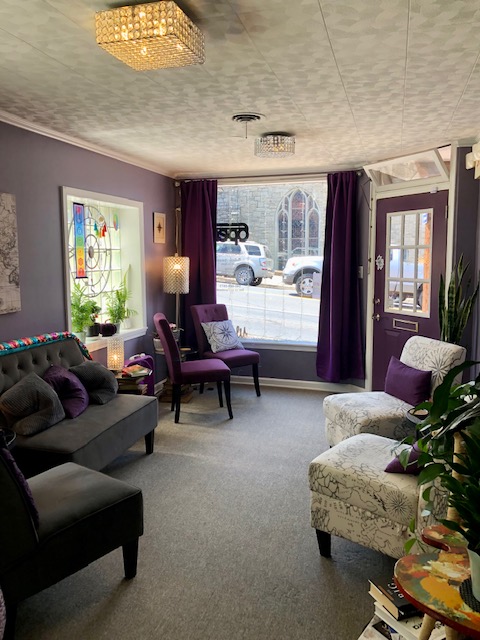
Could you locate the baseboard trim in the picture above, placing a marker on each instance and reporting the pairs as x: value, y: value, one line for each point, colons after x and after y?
x: 308, y: 385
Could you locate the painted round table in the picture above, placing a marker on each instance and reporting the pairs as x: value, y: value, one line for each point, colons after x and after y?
x: 438, y: 583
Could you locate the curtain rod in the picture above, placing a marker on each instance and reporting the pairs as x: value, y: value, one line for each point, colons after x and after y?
x: 303, y: 177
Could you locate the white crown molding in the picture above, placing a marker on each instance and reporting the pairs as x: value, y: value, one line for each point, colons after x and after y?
x: 16, y: 121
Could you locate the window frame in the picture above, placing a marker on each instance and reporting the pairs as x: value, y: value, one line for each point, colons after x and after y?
x: 133, y: 251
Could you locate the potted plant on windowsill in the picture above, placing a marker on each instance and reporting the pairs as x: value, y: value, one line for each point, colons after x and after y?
x: 449, y: 442
x: 93, y: 329
x: 116, y: 306
x: 82, y: 308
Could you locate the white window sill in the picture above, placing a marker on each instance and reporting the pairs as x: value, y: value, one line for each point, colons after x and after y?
x: 95, y: 344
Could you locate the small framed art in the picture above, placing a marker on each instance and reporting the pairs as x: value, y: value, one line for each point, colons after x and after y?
x: 159, y: 222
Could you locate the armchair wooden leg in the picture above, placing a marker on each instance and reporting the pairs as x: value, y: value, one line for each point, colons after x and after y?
x: 255, y: 378
x: 177, y: 399
x: 220, y: 396
x: 130, y: 556
x: 228, y: 398
x: 202, y: 387
x: 149, y: 440
x: 324, y: 540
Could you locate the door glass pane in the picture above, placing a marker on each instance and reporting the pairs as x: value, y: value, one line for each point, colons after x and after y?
x: 396, y: 231
x: 424, y: 228
x: 408, y: 271
x: 410, y: 233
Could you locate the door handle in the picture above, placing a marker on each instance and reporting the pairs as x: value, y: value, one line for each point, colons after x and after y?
x: 376, y: 316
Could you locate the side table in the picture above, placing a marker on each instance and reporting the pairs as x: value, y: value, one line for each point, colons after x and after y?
x: 186, y: 353
x: 131, y: 384
x: 438, y: 583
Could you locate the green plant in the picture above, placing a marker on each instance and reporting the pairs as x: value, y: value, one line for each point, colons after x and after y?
x: 455, y: 308
x: 453, y: 415
x: 117, y: 300
x: 83, y: 309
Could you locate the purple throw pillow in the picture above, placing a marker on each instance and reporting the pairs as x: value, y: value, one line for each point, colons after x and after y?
x: 22, y: 484
x: 395, y: 466
x: 70, y: 390
x: 406, y: 383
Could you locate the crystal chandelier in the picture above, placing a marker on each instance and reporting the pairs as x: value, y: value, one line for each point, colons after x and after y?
x: 275, y: 145
x: 150, y: 36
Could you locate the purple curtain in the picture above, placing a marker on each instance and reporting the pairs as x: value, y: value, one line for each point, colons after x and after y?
x: 339, y: 348
x: 199, y: 221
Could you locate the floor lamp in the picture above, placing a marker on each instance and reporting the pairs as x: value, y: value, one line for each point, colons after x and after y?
x: 176, y: 272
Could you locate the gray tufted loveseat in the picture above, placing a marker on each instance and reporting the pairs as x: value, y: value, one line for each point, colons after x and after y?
x: 94, y: 438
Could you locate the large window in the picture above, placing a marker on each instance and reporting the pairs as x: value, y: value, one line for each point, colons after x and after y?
x: 271, y: 283
x: 110, y: 239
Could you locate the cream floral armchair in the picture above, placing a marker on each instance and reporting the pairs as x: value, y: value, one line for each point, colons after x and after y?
x: 352, y: 496
x: 379, y: 412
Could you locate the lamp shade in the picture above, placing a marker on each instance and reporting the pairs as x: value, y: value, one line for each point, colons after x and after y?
x: 176, y: 272
x: 115, y: 353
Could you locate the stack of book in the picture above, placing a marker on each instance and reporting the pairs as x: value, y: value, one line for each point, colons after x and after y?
x: 135, y: 371
x: 395, y: 617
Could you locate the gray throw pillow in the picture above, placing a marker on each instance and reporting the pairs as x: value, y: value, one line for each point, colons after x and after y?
x: 100, y: 382
x: 221, y: 336
x: 31, y: 406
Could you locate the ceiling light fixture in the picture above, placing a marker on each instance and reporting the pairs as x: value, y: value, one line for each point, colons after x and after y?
x: 275, y: 145
x: 245, y: 118
x: 157, y: 35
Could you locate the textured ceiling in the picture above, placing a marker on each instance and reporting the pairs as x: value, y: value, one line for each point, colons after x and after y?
x: 355, y: 81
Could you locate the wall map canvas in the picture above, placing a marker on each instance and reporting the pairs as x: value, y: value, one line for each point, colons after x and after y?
x: 9, y: 265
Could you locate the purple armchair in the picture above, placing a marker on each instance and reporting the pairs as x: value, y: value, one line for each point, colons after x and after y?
x: 233, y: 357
x: 197, y: 371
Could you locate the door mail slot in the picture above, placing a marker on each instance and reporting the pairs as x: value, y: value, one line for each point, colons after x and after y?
x: 405, y: 325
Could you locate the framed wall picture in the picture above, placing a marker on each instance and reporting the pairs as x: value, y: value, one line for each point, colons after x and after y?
x: 159, y: 221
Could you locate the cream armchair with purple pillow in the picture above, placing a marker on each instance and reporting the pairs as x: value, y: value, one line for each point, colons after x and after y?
x: 423, y: 364
x: 359, y: 491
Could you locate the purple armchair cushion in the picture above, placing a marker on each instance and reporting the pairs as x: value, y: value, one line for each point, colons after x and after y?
x: 100, y: 382
x: 221, y: 336
x: 22, y: 484
x: 412, y: 468
x: 31, y: 406
x: 69, y: 388
x: 406, y: 383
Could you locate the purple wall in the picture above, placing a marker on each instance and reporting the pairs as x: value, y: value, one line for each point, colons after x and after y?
x: 34, y: 168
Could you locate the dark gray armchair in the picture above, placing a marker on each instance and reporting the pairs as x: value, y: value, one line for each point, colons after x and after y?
x: 58, y: 523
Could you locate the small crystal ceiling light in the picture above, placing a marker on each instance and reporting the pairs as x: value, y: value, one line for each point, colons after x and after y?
x: 157, y: 35
x: 275, y: 145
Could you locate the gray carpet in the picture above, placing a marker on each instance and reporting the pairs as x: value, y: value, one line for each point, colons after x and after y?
x: 228, y: 551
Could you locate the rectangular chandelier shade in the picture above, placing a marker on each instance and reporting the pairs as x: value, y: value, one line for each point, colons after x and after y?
x: 275, y: 145
x: 157, y: 35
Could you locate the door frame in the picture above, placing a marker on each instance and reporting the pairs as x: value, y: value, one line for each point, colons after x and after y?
x: 404, y: 190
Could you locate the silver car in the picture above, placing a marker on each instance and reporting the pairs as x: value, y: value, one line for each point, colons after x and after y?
x: 300, y: 272
x: 248, y: 262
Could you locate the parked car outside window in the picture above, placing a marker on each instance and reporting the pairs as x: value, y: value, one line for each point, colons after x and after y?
x: 248, y: 262
x: 300, y: 271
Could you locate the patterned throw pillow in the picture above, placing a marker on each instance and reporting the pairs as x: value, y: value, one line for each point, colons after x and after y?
x: 221, y: 336
x: 70, y: 390
x: 31, y: 406
x: 100, y: 382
